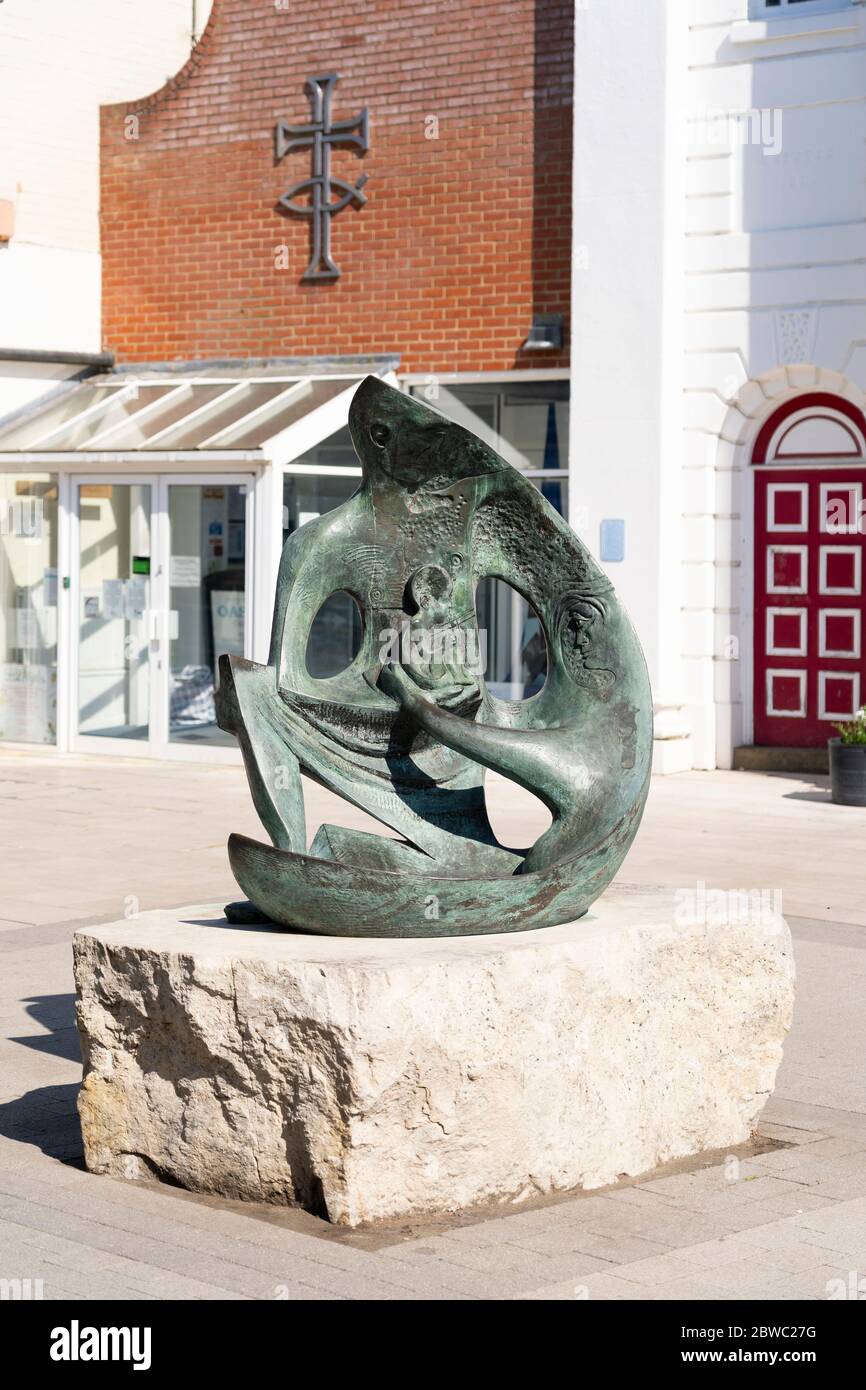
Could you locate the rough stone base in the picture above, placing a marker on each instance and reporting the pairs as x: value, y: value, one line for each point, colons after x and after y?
x: 367, y: 1079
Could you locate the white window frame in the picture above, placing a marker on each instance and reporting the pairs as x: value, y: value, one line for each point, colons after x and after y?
x: 824, y: 589
x: 855, y: 616
x: 823, y: 678
x: 855, y: 489
x: 793, y: 674
x: 802, y: 616
x: 773, y: 490
x: 803, y: 586
x: 793, y: 9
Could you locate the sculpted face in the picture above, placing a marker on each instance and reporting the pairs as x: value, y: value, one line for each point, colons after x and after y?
x: 430, y: 588
x: 400, y: 440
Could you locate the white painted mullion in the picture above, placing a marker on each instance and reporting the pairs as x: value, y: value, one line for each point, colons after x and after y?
x: 158, y: 733
x: 481, y: 378
x: 66, y: 633
x: 140, y: 415
x: 324, y: 470
x: 221, y: 438
x: 267, y: 548
x: 229, y: 459
x: 312, y: 429
x: 96, y: 409
x: 548, y: 473
x: 74, y: 622
x: 87, y: 743
x: 251, y: 606
x: 211, y: 406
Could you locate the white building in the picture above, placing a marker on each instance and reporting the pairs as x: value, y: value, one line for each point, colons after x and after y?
x: 60, y: 62
x: 719, y: 334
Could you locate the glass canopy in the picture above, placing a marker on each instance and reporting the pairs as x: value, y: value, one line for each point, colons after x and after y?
x: 121, y: 415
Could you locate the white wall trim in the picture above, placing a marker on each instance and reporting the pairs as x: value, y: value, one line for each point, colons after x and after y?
x: 482, y: 378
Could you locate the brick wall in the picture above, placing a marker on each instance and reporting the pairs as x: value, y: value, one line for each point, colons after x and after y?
x: 463, y: 237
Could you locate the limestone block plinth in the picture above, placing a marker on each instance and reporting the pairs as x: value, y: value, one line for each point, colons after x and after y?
x: 373, y: 1078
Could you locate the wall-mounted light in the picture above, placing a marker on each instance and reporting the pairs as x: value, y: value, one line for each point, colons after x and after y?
x: 545, y: 333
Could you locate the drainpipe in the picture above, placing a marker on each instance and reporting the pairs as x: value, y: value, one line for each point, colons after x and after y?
x: 104, y: 360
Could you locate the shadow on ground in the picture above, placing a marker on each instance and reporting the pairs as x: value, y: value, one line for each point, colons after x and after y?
x: 821, y: 796
x: 819, y: 783
x: 56, y: 1014
x: 48, y: 1117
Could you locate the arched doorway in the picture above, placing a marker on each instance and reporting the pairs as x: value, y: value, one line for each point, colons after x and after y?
x: 810, y: 532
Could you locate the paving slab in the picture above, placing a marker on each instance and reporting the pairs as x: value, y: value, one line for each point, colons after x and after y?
x: 793, y: 1221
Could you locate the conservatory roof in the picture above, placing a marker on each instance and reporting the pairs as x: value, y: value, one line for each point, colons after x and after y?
x: 251, y: 413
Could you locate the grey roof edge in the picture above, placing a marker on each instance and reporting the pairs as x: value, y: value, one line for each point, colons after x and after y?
x: 294, y: 366
x: 374, y: 362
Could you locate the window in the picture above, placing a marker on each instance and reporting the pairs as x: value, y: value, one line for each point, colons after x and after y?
x: 527, y: 424
x: 28, y: 607
x: 308, y: 493
x: 335, y: 634
x: 791, y: 9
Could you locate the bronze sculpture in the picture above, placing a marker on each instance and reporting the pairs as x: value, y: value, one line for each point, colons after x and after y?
x: 406, y: 731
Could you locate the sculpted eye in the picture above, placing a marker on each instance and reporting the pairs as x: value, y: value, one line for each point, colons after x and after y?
x: 380, y: 434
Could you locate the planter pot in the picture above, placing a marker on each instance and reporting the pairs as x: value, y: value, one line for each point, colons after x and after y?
x: 848, y: 772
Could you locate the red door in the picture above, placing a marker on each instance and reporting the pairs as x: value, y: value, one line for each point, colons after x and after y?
x: 810, y: 536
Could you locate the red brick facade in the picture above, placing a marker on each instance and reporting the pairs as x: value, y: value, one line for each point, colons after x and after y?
x: 463, y: 239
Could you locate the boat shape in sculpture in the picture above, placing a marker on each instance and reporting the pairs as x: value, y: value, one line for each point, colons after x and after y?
x: 408, y: 729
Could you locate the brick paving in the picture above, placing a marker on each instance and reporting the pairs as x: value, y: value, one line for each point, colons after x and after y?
x: 81, y: 839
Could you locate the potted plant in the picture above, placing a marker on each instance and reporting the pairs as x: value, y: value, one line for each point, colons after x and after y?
x: 848, y: 762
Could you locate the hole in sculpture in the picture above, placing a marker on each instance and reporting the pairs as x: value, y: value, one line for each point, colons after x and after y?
x: 518, y: 818
x: 512, y: 634
x: 335, y: 636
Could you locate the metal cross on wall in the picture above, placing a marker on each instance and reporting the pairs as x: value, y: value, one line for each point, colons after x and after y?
x: 321, y: 135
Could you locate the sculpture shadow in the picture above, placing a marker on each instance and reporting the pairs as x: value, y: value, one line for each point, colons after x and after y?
x: 223, y: 924
x: 48, y: 1119
x: 55, y: 1013
x: 463, y: 810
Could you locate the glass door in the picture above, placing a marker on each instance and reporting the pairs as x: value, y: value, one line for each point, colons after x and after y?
x: 160, y: 592
x: 115, y: 686
x: 208, y: 529
x: 28, y: 607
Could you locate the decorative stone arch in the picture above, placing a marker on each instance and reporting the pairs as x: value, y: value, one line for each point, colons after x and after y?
x: 748, y: 433
x: 815, y: 425
x: 759, y: 398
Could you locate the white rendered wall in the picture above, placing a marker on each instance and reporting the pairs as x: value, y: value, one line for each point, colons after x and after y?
x: 775, y: 293
x: 627, y: 341
x: 712, y: 280
x: 59, y: 61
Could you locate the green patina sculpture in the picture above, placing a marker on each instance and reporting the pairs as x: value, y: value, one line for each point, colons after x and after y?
x: 406, y: 731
